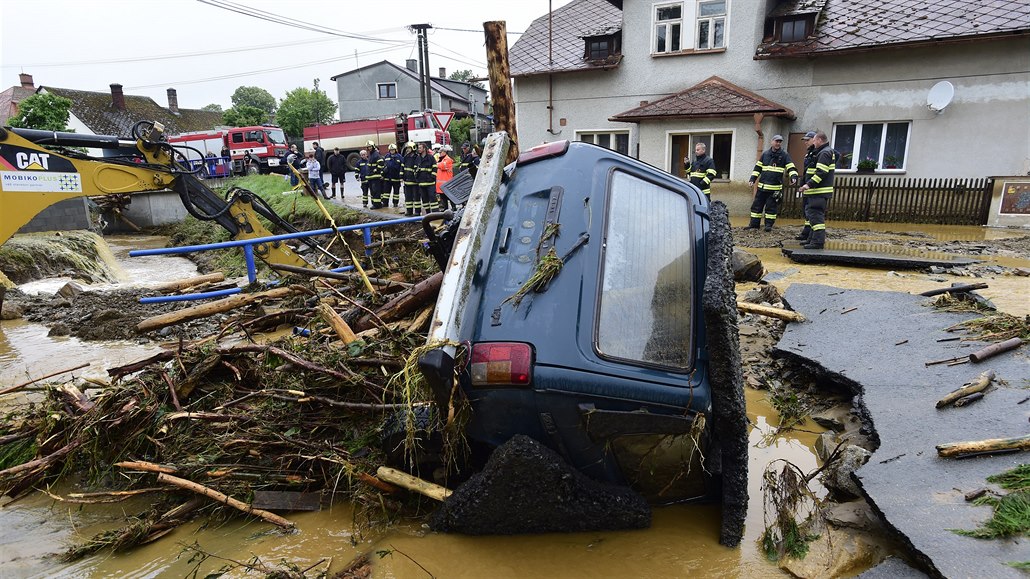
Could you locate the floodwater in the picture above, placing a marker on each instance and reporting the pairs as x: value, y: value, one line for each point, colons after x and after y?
x: 682, y: 540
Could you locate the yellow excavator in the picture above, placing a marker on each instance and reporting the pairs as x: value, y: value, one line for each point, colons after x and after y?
x: 39, y: 168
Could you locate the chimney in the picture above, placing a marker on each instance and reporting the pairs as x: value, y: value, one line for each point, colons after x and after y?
x: 412, y: 65
x: 26, y: 80
x: 173, y: 101
x: 117, y: 96
x: 443, y: 72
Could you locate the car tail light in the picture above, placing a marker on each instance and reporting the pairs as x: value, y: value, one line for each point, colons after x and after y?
x: 545, y: 151
x: 501, y: 364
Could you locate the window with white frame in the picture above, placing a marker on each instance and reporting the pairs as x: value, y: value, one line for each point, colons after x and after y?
x: 387, y: 90
x: 690, y: 25
x: 711, y: 24
x: 668, y: 27
x: 885, y: 143
x: 614, y: 140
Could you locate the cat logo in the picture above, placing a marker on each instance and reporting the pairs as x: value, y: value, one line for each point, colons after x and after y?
x: 33, y: 161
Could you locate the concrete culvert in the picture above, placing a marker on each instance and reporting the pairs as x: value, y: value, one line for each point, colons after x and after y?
x: 526, y: 487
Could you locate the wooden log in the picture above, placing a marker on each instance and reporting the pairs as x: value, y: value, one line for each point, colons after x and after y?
x: 771, y: 312
x: 342, y: 329
x: 995, y: 349
x: 51, y: 375
x: 224, y: 499
x: 405, y: 480
x: 210, y: 309
x: 146, y: 466
x: 965, y: 400
x: 119, y: 371
x: 961, y: 449
x: 978, y: 385
x: 178, y: 285
x: 41, y: 463
x: 954, y: 289
x: 500, y: 83
x: 287, y: 501
x: 404, y: 304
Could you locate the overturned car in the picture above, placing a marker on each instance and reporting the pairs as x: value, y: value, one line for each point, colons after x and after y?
x: 587, y: 303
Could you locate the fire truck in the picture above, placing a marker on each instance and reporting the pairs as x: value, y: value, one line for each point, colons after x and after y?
x: 203, y: 150
x: 351, y: 136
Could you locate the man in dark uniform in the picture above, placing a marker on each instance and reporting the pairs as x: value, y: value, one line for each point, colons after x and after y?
x: 337, y: 165
x: 363, y: 171
x: 769, y: 172
x: 375, y: 176
x: 392, y: 163
x: 409, y: 173
x: 426, y: 179
x: 320, y: 157
x: 808, y: 167
x: 469, y: 160
x: 818, y: 189
x: 701, y: 170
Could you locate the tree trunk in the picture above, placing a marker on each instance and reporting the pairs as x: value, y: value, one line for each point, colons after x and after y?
x: 961, y: 449
x: 405, y: 303
x: 210, y: 309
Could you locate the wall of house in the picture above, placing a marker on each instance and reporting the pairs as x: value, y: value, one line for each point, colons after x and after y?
x: 359, y: 96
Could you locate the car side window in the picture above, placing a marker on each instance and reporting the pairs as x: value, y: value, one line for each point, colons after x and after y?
x: 646, y: 295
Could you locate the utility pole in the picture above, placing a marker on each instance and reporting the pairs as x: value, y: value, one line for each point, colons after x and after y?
x: 423, y: 64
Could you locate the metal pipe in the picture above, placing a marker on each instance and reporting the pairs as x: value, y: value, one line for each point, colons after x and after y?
x: 190, y: 297
x: 41, y: 137
x: 248, y: 255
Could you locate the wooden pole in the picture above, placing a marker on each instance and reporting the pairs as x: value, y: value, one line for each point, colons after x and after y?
x: 978, y: 385
x: 224, y: 499
x: 174, y: 286
x: 995, y: 349
x: 771, y: 312
x: 954, y: 289
x: 500, y: 83
x: 960, y: 449
x: 405, y: 480
x: 210, y: 309
x: 51, y: 375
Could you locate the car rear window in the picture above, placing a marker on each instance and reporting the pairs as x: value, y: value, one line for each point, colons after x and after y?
x: 645, y: 304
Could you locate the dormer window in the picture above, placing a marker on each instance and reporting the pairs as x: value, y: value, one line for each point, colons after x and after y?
x: 793, y: 28
x: 601, y: 47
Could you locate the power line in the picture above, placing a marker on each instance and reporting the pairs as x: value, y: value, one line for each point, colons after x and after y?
x: 469, y: 30
x: 286, y: 21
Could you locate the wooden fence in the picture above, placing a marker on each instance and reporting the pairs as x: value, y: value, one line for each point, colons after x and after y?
x: 900, y: 199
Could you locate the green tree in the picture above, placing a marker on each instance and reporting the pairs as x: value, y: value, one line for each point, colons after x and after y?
x: 44, y: 111
x: 254, y: 97
x: 466, y: 76
x: 244, y: 116
x: 459, y: 130
x: 213, y: 107
x: 304, y: 107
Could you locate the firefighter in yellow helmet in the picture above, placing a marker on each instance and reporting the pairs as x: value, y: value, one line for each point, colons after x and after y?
x: 392, y: 166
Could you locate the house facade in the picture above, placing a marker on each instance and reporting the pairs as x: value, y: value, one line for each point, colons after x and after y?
x: 384, y: 89
x: 653, y: 78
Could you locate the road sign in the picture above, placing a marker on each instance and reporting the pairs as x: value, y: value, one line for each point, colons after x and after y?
x: 444, y: 119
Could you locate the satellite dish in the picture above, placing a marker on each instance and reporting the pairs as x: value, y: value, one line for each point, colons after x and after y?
x: 940, y: 96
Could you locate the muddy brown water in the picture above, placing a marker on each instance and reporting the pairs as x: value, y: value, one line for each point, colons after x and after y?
x: 682, y: 540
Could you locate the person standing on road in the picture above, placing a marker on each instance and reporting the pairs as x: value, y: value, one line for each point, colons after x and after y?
x: 769, y: 172
x: 426, y: 180
x: 409, y: 172
x: 392, y: 165
x: 363, y: 172
x: 819, y: 189
x: 337, y: 165
x: 701, y: 170
x: 469, y: 160
x: 293, y: 160
x: 375, y: 176
x: 808, y: 167
x: 315, y: 174
x: 444, y: 173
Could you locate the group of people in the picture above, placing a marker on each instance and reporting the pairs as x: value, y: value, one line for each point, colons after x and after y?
x: 772, y: 168
x: 421, y: 169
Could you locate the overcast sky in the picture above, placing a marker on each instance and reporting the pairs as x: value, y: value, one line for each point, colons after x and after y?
x: 149, y: 46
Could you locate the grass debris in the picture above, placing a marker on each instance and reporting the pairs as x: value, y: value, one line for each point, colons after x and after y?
x: 1011, y: 517
x: 791, y: 512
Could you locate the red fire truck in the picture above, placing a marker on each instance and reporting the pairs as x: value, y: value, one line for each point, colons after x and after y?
x: 267, y: 146
x: 351, y: 136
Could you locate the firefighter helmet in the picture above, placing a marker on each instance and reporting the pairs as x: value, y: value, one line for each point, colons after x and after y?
x: 392, y: 147
x: 370, y: 143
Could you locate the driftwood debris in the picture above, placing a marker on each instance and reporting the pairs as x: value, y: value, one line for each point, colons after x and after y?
x: 405, y: 480
x: 963, y: 449
x: 209, y: 309
x: 954, y: 289
x: 17, y: 387
x: 978, y: 385
x: 224, y: 499
x: 995, y: 349
x: 770, y: 312
x: 966, y: 400
x: 286, y: 501
x: 179, y: 285
x: 404, y: 304
x: 342, y: 329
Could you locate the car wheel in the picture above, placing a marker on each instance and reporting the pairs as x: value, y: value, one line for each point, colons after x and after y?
x: 352, y: 161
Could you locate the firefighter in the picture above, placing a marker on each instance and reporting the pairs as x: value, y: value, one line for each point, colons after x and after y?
x: 375, y: 176
x: 364, y: 171
x: 818, y: 189
x: 469, y: 160
x: 409, y: 165
x: 701, y: 171
x: 426, y: 179
x: 392, y: 163
x: 808, y: 166
x: 769, y: 172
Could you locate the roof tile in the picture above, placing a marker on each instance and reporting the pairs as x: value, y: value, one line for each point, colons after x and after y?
x: 571, y: 24
x: 96, y: 110
x: 713, y: 97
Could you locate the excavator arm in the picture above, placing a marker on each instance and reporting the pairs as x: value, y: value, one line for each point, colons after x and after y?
x: 33, y: 177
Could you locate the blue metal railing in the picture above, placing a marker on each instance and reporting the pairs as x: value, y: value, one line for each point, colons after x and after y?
x: 248, y: 253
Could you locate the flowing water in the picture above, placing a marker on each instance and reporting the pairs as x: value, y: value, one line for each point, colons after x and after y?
x: 682, y: 540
